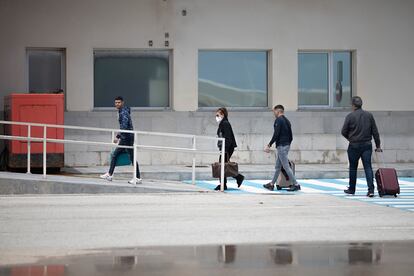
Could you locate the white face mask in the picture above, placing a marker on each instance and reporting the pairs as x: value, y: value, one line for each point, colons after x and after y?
x: 218, y: 119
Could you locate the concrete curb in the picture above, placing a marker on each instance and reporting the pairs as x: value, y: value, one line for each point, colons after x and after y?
x: 17, y: 184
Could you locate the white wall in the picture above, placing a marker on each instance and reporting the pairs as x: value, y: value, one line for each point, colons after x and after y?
x: 381, y: 32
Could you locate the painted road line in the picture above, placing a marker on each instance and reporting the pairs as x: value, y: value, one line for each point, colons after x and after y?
x: 252, y: 184
x: 304, y: 188
x: 205, y: 185
x: 260, y: 188
x: 386, y: 199
x: 344, y: 184
x: 308, y: 190
x: 311, y: 184
x: 326, y: 184
x: 360, y: 196
x: 259, y: 181
x: 312, y: 189
x: 253, y: 189
x: 323, y: 186
x: 392, y: 202
x: 405, y: 197
x: 360, y: 181
x: 363, y: 183
x: 210, y: 185
x: 232, y: 188
x: 403, y: 206
x: 401, y: 182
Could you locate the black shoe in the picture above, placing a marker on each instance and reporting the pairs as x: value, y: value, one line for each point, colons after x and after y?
x: 370, y: 194
x: 239, y: 180
x: 269, y: 186
x: 218, y: 188
x: 349, y: 192
x: 293, y: 188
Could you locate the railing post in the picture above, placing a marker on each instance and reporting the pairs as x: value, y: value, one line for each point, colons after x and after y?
x: 194, y: 162
x: 112, y: 136
x: 28, y: 148
x: 44, y: 151
x: 135, y: 157
x: 223, y: 150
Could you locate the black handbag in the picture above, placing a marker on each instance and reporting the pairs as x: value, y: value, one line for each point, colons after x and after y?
x: 230, y: 169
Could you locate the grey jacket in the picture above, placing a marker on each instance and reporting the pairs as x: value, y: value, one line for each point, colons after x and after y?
x: 359, y: 127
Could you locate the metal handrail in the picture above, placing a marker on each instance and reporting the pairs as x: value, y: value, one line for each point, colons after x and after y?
x: 135, y: 146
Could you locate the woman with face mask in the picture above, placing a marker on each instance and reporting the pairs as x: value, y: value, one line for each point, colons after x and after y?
x: 225, y: 131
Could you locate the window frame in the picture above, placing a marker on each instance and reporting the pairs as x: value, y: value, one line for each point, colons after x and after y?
x: 330, y: 54
x: 137, y: 108
x: 62, y: 66
x: 240, y: 108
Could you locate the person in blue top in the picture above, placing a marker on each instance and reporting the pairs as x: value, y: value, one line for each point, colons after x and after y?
x: 283, y: 137
x: 123, y: 139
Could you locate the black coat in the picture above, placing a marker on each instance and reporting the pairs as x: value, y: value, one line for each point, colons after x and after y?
x: 282, y: 134
x: 360, y: 127
x: 225, y: 131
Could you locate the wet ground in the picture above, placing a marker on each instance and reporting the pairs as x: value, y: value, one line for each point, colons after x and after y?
x: 393, y: 258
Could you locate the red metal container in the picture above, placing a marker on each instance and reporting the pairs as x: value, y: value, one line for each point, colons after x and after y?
x: 34, y: 108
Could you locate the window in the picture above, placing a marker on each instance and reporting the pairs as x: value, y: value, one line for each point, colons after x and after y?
x: 141, y: 77
x: 46, y: 70
x: 232, y: 78
x: 325, y: 79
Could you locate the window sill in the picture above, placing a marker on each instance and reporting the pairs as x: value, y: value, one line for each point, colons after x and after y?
x: 108, y: 109
x: 324, y: 109
x: 252, y: 109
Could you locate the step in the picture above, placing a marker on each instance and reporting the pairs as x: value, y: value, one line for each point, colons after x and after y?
x: 22, y: 183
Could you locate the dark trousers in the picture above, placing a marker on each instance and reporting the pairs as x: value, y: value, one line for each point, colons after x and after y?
x: 227, y: 156
x: 118, y: 151
x: 355, y: 152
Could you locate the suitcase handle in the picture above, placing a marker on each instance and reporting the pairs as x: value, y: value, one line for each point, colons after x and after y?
x: 379, y: 154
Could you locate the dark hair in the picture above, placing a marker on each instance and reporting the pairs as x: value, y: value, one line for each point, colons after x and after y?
x: 279, y: 106
x: 223, y: 111
x: 119, y: 98
x: 357, y: 102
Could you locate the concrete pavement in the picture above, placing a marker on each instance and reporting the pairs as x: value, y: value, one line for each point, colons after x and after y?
x: 31, y: 226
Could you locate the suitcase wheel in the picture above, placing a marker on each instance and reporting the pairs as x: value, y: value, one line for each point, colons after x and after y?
x: 278, y: 187
x: 395, y: 195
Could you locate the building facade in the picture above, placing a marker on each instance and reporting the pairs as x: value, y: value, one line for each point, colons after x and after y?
x: 175, y: 61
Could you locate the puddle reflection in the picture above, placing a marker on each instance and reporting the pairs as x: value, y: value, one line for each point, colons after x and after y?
x: 284, y: 259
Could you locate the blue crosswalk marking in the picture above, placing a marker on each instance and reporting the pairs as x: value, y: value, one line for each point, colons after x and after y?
x: 334, y: 187
x: 343, y: 181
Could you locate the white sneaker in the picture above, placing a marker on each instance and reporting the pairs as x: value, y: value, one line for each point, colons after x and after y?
x: 135, y: 181
x: 106, y: 177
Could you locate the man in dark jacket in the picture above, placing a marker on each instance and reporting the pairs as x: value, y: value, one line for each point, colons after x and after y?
x: 123, y: 139
x: 359, y: 128
x: 283, y: 137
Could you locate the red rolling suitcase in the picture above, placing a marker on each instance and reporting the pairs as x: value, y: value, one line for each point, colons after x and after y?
x: 387, y: 181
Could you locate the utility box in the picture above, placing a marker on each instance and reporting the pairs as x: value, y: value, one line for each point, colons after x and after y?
x: 34, y: 108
